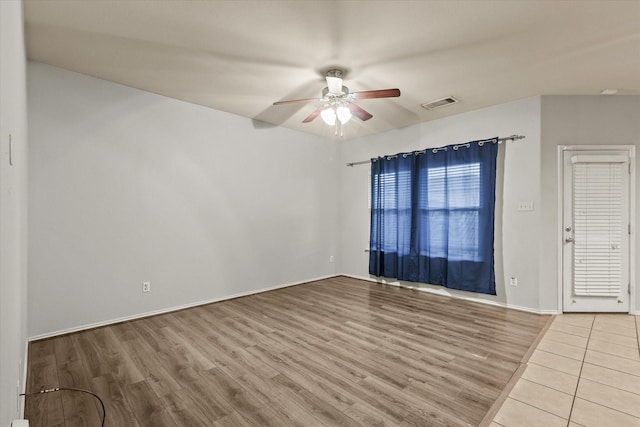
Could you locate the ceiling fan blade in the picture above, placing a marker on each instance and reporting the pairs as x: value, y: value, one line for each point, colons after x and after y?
x: 382, y: 93
x: 315, y: 114
x: 295, y: 101
x: 359, y: 112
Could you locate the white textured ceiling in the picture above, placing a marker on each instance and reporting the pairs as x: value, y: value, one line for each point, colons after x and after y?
x: 241, y: 56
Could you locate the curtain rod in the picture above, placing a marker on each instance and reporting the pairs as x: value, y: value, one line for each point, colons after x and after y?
x: 500, y: 140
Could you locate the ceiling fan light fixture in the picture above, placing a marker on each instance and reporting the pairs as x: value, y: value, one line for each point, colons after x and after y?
x: 337, y: 102
x: 328, y: 116
x: 335, y: 85
x: 343, y: 113
x: 334, y: 81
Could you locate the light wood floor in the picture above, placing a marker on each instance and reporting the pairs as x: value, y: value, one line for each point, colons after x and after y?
x: 333, y: 352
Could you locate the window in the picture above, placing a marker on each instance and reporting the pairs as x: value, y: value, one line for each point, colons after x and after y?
x: 598, y: 225
x: 454, y: 196
x: 432, y: 216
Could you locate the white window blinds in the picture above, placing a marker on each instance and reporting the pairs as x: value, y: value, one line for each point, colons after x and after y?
x: 598, y: 227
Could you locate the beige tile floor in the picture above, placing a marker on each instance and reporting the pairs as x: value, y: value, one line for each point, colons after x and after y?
x: 584, y: 372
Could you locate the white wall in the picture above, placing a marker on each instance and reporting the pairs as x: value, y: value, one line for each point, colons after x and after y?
x: 128, y: 186
x: 13, y: 210
x: 516, y: 250
x: 579, y: 120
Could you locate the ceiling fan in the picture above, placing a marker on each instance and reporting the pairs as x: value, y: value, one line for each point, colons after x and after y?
x: 337, y: 103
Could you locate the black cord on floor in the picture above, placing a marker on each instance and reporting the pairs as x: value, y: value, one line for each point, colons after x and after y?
x: 104, y: 412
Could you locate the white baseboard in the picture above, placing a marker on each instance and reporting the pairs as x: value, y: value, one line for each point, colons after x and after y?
x: 170, y: 309
x: 447, y: 292
x: 24, y: 378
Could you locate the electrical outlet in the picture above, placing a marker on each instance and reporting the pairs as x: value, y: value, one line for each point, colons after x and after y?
x: 146, y: 286
x: 525, y: 206
x: 331, y: 258
x: 514, y: 281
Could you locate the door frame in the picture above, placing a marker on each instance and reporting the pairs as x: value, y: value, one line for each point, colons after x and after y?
x: 631, y: 150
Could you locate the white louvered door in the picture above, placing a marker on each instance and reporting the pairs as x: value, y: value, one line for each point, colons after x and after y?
x: 596, y: 231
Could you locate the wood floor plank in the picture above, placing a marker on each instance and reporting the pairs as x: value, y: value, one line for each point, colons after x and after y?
x: 290, y: 410
x: 65, y: 350
x: 80, y: 409
x: 119, y: 413
x: 43, y: 375
x: 46, y: 409
x: 233, y: 420
x: 121, y: 365
x: 151, y: 366
x: 208, y: 400
x: 338, y: 351
x: 147, y: 407
x: 185, y: 411
x: 431, y: 414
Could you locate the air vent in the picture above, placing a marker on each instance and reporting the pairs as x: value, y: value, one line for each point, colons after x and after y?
x: 438, y: 103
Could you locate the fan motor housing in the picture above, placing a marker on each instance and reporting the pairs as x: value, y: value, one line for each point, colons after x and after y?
x: 334, y: 73
x: 327, y: 94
